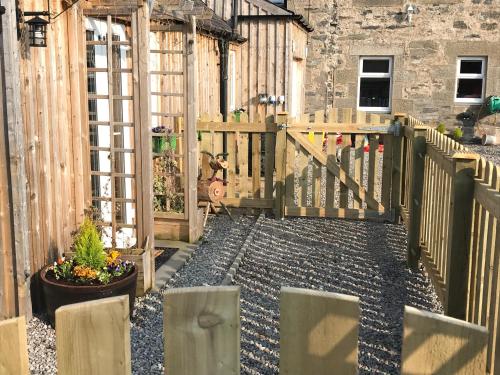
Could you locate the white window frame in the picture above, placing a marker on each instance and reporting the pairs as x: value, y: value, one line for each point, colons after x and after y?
x: 361, y: 75
x: 232, y: 80
x: 460, y: 76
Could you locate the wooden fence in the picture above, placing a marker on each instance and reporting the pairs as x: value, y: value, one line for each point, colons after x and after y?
x: 450, y: 204
x: 305, y: 166
x: 318, y: 335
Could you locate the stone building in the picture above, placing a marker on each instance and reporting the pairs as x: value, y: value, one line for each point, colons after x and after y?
x: 431, y: 58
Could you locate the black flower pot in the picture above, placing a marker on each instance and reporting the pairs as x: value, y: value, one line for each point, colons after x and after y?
x: 59, y: 294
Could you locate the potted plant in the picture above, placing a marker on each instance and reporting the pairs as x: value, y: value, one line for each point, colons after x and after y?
x: 92, y: 273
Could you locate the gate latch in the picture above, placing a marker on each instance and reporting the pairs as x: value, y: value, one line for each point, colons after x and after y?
x: 282, y: 126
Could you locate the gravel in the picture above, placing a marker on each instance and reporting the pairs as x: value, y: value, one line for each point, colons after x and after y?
x: 208, y: 266
x: 352, y: 257
x: 358, y: 258
x: 491, y: 153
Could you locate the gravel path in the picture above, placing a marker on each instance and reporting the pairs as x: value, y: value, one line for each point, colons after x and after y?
x: 351, y: 257
x: 208, y: 266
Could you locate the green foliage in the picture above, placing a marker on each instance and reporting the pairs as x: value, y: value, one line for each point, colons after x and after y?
x: 441, y: 128
x: 64, y: 270
x: 458, y: 133
x: 89, y: 249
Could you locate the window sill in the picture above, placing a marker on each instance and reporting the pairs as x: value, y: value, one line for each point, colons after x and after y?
x: 374, y: 110
x: 469, y: 101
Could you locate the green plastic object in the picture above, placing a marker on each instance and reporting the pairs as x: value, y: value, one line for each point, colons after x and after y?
x: 494, y: 104
x: 159, y: 145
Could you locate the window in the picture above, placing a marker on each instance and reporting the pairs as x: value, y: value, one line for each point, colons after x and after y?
x: 471, y: 72
x: 375, y: 84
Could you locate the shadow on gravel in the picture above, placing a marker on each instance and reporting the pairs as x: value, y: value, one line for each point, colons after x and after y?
x: 357, y: 258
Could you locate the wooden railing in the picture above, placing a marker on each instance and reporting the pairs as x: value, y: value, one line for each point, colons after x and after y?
x: 318, y: 335
x: 450, y: 204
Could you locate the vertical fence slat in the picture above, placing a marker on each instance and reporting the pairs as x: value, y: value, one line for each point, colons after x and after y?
x: 434, y: 344
x: 477, y: 209
x: 94, y: 338
x: 202, y: 331
x: 270, y: 148
x: 418, y: 157
x: 243, y: 164
x: 494, y: 316
x: 332, y: 157
x: 461, y: 198
x: 281, y: 165
x: 373, y: 166
x: 359, y: 156
x: 256, y: 165
x: 397, y: 165
x: 231, y: 161
x: 345, y: 158
x: 318, y: 333
x: 13, y: 347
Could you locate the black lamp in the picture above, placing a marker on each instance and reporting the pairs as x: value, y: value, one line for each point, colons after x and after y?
x: 37, y: 31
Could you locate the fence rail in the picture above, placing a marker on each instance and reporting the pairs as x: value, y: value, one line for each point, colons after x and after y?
x: 318, y: 334
x: 452, y: 220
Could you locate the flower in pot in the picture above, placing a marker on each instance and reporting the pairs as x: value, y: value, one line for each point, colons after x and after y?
x: 91, y: 273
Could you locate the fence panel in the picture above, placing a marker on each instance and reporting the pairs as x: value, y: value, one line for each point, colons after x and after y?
x: 318, y: 332
x: 458, y: 235
x: 434, y: 344
x: 249, y: 152
x: 13, y: 347
x: 94, y: 338
x: 202, y: 331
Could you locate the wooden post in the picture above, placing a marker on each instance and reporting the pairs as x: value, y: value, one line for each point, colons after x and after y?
x: 281, y: 160
x: 436, y: 344
x: 397, y: 165
x: 147, y: 226
x: 13, y: 128
x: 191, y: 140
x: 13, y: 347
x: 459, y: 233
x: 94, y: 338
x: 318, y: 332
x: 415, y: 205
x: 202, y: 331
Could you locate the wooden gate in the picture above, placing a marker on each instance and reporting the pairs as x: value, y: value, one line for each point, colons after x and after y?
x: 332, y: 167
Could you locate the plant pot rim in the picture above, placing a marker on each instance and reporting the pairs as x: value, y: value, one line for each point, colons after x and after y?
x: 85, y: 288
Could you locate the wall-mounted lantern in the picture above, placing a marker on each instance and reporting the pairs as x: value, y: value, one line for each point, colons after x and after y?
x: 37, y: 31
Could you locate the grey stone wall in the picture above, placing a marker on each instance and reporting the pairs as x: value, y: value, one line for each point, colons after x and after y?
x: 425, y: 52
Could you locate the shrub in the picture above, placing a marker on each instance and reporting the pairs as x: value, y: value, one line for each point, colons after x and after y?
x: 89, y: 249
x: 441, y: 128
x: 458, y: 134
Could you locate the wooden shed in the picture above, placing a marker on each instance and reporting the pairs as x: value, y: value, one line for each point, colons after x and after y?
x: 271, y: 63
x: 77, y: 115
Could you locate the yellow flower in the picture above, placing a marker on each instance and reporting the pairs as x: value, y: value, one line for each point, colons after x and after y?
x: 112, y: 257
x: 84, y: 272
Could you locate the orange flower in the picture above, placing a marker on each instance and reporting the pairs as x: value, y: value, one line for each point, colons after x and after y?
x: 84, y: 272
x: 112, y: 257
